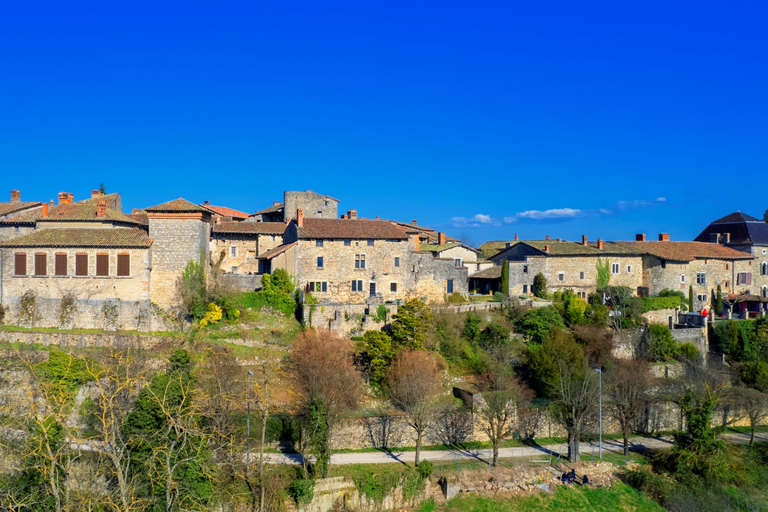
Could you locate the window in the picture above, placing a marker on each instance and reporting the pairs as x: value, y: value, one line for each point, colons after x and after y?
x: 744, y: 278
x: 233, y: 269
x: 525, y: 269
x: 764, y: 251
x: 347, y: 241
x: 682, y: 278
x: 370, y: 243
x: 232, y: 252
x: 449, y: 286
x: 60, y: 264
x: 41, y: 264
x: 318, y: 243
x: 81, y: 264
x: 525, y: 288
x: 629, y: 269
x: 663, y: 264
x: 583, y: 295
x: 561, y: 276
x: 393, y: 287
x: 359, y: 260
x: 581, y: 275
x: 319, y: 262
x: 764, y: 269
x: 124, y: 265
x: 102, y: 265
x: 357, y: 286
x: 701, y: 298
x: 20, y: 261
x: 318, y: 286
x: 457, y: 262
x: 326, y: 203
x: 397, y: 261
x: 701, y: 279
x: 614, y: 268
x: 765, y: 292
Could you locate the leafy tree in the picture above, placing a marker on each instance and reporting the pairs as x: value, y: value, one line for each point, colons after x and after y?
x: 377, y: 355
x: 536, y: 323
x: 194, y: 290
x: 755, y: 375
x: 413, y: 380
x: 411, y: 326
x: 657, y: 343
x: 278, y: 281
x: 627, y: 309
x: 540, y: 286
x: 603, y: 273
x: 494, y: 334
x: 572, y: 307
x: 471, y: 327
x: 505, y: 278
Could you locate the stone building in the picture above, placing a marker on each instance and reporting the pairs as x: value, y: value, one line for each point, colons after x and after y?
x: 223, y: 213
x: 236, y: 246
x: 357, y: 260
x: 462, y: 255
x: 315, y: 206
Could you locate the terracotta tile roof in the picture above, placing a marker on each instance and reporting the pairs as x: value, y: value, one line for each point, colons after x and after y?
x: 24, y: 217
x: 280, y: 249
x: 113, y: 201
x: 224, y: 211
x: 86, y: 237
x: 688, y: 251
x: 565, y: 248
x: 349, y: 228
x: 140, y: 216
x: 9, y: 208
x: 83, y: 212
x: 489, y: 273
x: 262, y: 228
x: 273, y: 208
x: 179, y: 205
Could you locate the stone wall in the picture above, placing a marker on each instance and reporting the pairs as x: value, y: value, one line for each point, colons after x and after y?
x: 698, y: 336
x: 241, y: 283
x: 340, y: 493
x: 87, y: 340
x: 178, y: 240
x: 347, y: 319
x: 315, y: 205
x: 247, y: 247
x: 8, y: 231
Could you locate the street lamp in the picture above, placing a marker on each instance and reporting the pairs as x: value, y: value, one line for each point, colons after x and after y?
x: 600, y: 416
x: 248, y: 425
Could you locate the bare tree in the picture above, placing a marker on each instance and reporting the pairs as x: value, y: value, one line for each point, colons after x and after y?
x: 754, y: 405
x: 413, y: 380
x: 322, y: 369
x: 626, y: 394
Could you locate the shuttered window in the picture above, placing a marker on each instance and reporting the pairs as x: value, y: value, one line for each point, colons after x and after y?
x: 61, y: 264
x: 21, y: 264
x: 123, y: 264
x: 102, y: 264
x: 41, y: 264
x: 81, y: 264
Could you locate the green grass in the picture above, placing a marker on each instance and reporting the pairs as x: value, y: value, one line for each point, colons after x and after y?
x: 619, y: 498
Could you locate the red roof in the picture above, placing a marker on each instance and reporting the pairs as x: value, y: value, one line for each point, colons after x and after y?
x: 258, y: 228
x: 688, y: 251
x: 225, y: 212
x: 350, y: 228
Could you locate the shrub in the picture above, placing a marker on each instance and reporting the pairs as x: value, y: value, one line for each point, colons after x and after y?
x: 499, y: 297
x: 690, y: 352
x: 2, y: 314
x: 537, y: 323
x: 657, y: 343
x: 376, y: 487
x: 382, y: 313
x: 425, y: 469
x: 457, y: 298
x: 494, y: 334
x: 277, y: 300
x: 302, y: 491
x: 540, y: 286
x: 212, y: 315
x: 656, y: 303
x: 471, y: 326
x: 279, y: 280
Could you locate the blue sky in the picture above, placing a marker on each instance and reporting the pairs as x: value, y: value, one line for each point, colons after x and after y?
x: 477, y: 118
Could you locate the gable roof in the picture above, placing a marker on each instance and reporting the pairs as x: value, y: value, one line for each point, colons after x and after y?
x: 688, y: 251
x: 489, y: 273
x: 350, y: 228
x: 224, y: 211
x: 744, y: 230
x: 271, y: 209
x: 280, y: 249
x: 85, y: 211
x: 565, y: 248
x: 179, y: 205
x: 83, y: 237
x: 13, y: 207
x: 257, y: 228
x: 437, y: 249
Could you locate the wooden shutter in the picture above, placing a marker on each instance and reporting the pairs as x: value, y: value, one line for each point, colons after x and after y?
x: 61, y: 264
x: 20, y: 264
x: 123, y: 264
x: 102, y: 264
x: 81, y: 264
x: 41, y: 264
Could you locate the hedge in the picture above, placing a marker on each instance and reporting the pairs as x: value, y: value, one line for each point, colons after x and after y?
x: 656, y: 303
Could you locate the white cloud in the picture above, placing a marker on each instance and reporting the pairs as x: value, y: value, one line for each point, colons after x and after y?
x: 555, y: 213
x: 478, y: 220
x: 510, y: 220
x: 482, y: 218
x: 661, y: 199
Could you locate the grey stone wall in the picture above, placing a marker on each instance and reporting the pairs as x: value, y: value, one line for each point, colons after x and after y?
x: 85, y: 340
x: 10, y: 231
x: 241, y: 283
x: 315, y: 205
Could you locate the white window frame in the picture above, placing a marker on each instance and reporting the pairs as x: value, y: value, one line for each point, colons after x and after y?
x: 682, y: 278
x: 629, y: 269
x: 360, y: 261
x: 561, y: 276
x: 615, y: 268
x: 701, y: 278
x: 233, y: 251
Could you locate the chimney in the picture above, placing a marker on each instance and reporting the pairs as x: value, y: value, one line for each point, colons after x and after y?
x: 640, y: 237
x: 546, y: 237
x: 275, y: 203
x: 376, y: 218
x: 600, y: 244
x: 95, y: 193
x: 101, y: 209
x: 441, y: 238
x: 584, y: 240
x: 300, y: 218
x: 726, y: 238
x: 416, y: 243
x: 66, y: 198
x: 15, y: 196
x: 45, y: 210
x: 343, y: 217
x: 51, y: 204
x: 516, y: 237
x: 546, y: 248
x: 352, y: 214
x: 714, y: 238
x: 206, y: 202
x: 663, y: 237
x: 414, y: 222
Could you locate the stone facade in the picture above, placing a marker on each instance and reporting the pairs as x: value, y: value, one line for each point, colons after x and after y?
x: 178, y: 239
x: 315, y: 206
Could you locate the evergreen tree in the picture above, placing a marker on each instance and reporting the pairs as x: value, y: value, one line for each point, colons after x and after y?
x: 505, y: 278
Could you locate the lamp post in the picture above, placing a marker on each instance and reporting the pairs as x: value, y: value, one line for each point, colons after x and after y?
x: 248, y: 425
x: 600, y: 414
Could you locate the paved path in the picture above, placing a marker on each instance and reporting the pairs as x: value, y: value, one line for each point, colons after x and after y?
x: 542, y: 453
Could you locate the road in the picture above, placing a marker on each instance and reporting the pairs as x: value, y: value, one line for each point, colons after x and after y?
x: 542, y: 453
